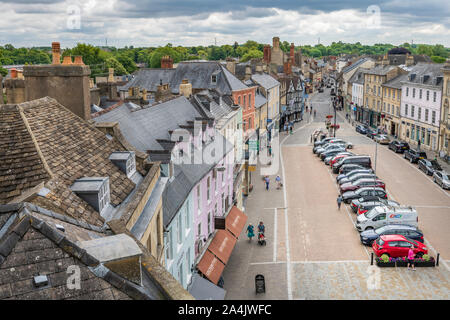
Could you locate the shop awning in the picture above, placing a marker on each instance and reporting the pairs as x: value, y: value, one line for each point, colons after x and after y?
x: 202, y: 289
x: 222, y: 245
x: 235, y: 221
x: 211, y: 267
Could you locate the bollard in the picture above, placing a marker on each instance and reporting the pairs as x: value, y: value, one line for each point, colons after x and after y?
x: 437, y: 260
x: 371, y: 259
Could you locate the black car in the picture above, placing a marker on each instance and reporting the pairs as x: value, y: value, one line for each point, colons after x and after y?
x: 410, y: 232
x: 348, y: 196
x: 398, y: 146
x: 429, y: 167
x: 371, y: 133
x: 346, y: 168
x: 361, y: 129
x: 414, y: 155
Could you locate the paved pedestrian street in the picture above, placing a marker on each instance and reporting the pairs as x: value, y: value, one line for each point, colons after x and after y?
x: 313, y: 250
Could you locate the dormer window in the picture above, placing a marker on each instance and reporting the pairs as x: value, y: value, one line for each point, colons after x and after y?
x: 93, y: 190
x: 125, y: 161
x: 214, y: 78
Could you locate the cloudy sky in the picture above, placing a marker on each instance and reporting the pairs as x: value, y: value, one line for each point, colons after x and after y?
x: 202, y: 22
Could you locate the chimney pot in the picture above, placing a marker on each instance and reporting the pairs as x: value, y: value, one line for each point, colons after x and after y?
x: 78, y: 60
x: 13, y: 73
x: 67, y: 60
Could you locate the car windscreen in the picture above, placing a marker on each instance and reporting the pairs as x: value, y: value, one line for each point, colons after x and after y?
x: 372, y: 213
x: 381, y: 230
x: 445, y: 176
x: 380, y: 241
x: 422, y: 154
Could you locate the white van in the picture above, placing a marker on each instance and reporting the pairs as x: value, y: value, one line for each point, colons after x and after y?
x: 383, y: 215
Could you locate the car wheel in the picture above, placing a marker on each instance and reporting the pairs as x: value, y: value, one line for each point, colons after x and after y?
x: 404, y: 155
x: 419, y: 254
x: 434, y: 179
x: 411, y: 160
x: 369, y: 228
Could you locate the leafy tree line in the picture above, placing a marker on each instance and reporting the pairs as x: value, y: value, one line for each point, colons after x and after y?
x: 124, y: 60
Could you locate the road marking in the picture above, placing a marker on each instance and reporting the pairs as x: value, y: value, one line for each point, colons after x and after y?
x: 309, y: 262
x: 286, y: 224
x: 275, y: 230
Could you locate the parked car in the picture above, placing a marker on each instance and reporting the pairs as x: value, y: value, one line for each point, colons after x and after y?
x: 361, y: 129
x: 369, y: 205
x: 361, y: 160
x: 380, y: 216
x: 371, y: 133
x: 352, y: 173
x: 382, y: 139
x: 330, y: 153
x: 338, y: 156
x: 357, y: 176
x: 348, y: 167
x: 442, y: 178
x: 355, y: 204
x: 414, y: 155
x: 398, y: 146
x: 323, y: 141
x: 326, y: 144
x: 360, y: 183
x: 334, y: 146
x: 320, y: 89
x: 348, y: 196
x: 397, y: 246
x: 369, y: 236
x: 429, y: 167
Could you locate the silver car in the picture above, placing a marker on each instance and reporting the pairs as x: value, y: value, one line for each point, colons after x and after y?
x: 442, y: 178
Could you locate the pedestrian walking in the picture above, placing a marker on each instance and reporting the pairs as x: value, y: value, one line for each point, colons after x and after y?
x: 269, y: 149
x: 339, y: 201
x: 290, y: 129
x: 261, y: 227
x: 267, y: 181
x: 285, y: 127
x: 411, y: 258
x: 419, y: 143
x: 250, y: 232
x: 278, y: 180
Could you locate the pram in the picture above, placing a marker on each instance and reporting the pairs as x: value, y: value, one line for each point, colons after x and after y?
x: 261, y: 239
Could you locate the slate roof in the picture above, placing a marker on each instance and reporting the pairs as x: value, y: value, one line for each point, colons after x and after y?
x: 141, y: 128
x: 149, y: 79
x: 422, y: 69
x: 264, y: 80
x: 380, y: 70
x: 21, y: 166
x: 215, y: 106
x: 69, y: 148
x: 358, y: 76
x: 260, y: 100
x: 30, y: 246
x: 355, y: 65
x: 396, y: 82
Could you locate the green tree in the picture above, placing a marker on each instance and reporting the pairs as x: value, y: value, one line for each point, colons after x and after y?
x: 155, y: 59
x: 113, y: 63
x: 253, y: 53
x: 3, y: 72
x: 437, y: 59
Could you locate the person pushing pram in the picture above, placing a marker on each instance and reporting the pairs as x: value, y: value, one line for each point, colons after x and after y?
x: 261, y: 236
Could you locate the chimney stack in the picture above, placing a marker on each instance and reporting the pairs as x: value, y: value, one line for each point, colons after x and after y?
x: 231, y: 65
x: 292, y: 53
x: 266, y: 53
x: 186, y: 88
x: 259, y: 68
x: 287, y: 67
x: 56, y: 53
x: 248, y: 73
x: 110, y: 74
x: 67, y: 60
x: 166, y: 62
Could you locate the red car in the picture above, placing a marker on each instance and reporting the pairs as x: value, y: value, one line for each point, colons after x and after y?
x: 352, y: 186
x: 395, y: 246
x: 336, y: 158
